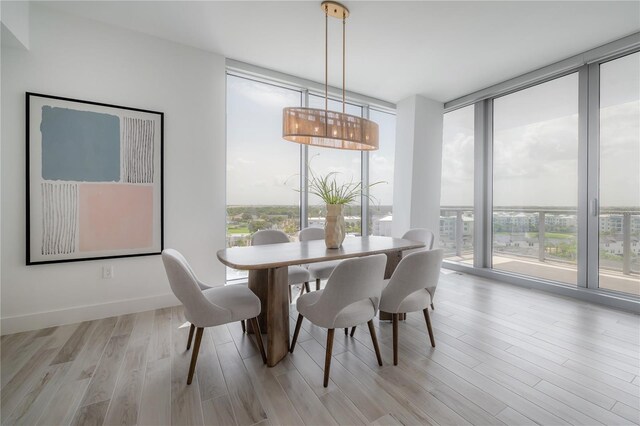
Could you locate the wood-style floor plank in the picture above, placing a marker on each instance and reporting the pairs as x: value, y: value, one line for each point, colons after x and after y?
x: 245, y: 402
x: 630, y: 413
x: 386, y: 395
x: 387, y: 420
x: 186, y: 405
x: 33, y: 404
x: 511, y: 417
x: 218, y: 411
x: 64, y: 404
x: 91, y: 415
x: 104, y: 379
x: 275, y: 401
x: 125, y: 403
x: 210, y: 377
x: 73, y: 346
x: 155, y: 405
x: 342, y: 409
x: 160, y: 345
x: 304, y: 400
x: 553, y: 406
x: 87, y: 361
x: 17, y: 352
x: 594, y: 411
x: 19, y: 385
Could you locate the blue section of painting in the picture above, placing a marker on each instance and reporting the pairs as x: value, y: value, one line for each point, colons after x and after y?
x: 80, y: 146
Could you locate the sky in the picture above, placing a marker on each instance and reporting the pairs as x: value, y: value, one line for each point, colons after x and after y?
x: 535, y: 145
x: 263, y: 168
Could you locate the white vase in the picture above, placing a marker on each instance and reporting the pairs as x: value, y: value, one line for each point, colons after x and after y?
x: 334, y: 226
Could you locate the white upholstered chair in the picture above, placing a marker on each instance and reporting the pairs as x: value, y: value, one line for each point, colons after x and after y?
x: 350, y: 297
x: 422, y: 235
x: 411, y: 288
x: 321, y: 270
x: 206, y: 306
x: 297, y: 274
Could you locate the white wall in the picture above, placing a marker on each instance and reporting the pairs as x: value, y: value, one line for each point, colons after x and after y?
x: 403, y: 165
x: 15, y: 23
x: 87, y: 60
x: 418, y: 165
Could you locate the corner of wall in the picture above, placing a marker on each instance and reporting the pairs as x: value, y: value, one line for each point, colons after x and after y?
x: 15, y: 23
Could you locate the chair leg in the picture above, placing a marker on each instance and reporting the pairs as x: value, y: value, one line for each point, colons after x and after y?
x: 290, y: 298
x: 433, y: 308
x: 191, y: 330
x: 306, y: 287
x: 374, y: 339
x: 317, y: 283
x: 428, y: 321
x: 327, y: 357
x: 353, y: 330
x: 244, y: 326
x: 256, y: 331
x: 295, y: 333
x: 346, y: 331
x: 194, y: 354
x: 395, y: 338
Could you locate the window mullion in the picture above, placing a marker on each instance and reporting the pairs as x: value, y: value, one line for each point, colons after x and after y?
x: 483, y: 178
x: 592, y: 203
x: 304, y: 171
x: 364, y: 176
x: 584, y: 233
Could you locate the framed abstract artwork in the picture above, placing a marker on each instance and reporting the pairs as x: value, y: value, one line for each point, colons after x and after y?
x: 94, y: 180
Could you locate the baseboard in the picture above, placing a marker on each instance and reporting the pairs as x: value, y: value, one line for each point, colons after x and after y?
x: 40, y: 320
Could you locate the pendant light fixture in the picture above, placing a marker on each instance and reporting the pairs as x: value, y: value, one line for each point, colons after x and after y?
x: 324, y: 128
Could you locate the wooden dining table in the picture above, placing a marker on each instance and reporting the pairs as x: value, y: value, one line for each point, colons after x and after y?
x: 268, y: 278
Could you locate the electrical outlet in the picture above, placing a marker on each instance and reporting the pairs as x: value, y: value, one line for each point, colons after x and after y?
x: 107, y: 272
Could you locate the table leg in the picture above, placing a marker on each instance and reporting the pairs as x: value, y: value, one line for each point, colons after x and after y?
x: 257, y: 283
x: 393, y: 259
x: 270, y: 285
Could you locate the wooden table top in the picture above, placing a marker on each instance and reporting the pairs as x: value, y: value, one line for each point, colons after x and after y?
x: 297, y: 253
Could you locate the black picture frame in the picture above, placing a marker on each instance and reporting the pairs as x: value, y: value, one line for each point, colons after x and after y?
x: 63, y: 211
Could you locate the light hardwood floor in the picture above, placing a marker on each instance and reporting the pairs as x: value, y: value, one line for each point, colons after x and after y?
x: 504, y: 355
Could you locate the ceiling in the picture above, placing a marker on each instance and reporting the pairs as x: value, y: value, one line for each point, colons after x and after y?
x: 442, y: 50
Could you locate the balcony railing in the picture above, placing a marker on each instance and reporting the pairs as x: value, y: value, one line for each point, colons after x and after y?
x: 456, y: 234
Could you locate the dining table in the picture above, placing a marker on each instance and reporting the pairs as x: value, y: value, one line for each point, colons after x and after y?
x: 268, y: 278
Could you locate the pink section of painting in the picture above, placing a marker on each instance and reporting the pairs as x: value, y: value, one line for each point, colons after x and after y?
x: 115, y: 216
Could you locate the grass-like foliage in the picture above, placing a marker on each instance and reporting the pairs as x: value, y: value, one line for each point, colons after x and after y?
x: 332, y: 192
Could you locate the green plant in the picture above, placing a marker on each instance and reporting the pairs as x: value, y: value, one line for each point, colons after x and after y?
x: 330, y: 191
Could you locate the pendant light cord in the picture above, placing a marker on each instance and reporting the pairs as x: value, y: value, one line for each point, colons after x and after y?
x: 326, y: 61
x: 344, y: 67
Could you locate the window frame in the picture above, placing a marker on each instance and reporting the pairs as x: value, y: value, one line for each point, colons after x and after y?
x: 283, y: 81
x: 587, y: 65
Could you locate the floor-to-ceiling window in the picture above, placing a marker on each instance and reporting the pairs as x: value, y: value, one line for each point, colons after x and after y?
x: 556, y: 185
x: 456, y: 196
x: 262, y: 170
x: 535, y: 181
x: 381, y: 174
x: 264, y: 184
x: 619, y: 175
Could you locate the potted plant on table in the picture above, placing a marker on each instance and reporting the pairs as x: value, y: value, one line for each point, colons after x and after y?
x: 336, y: 196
